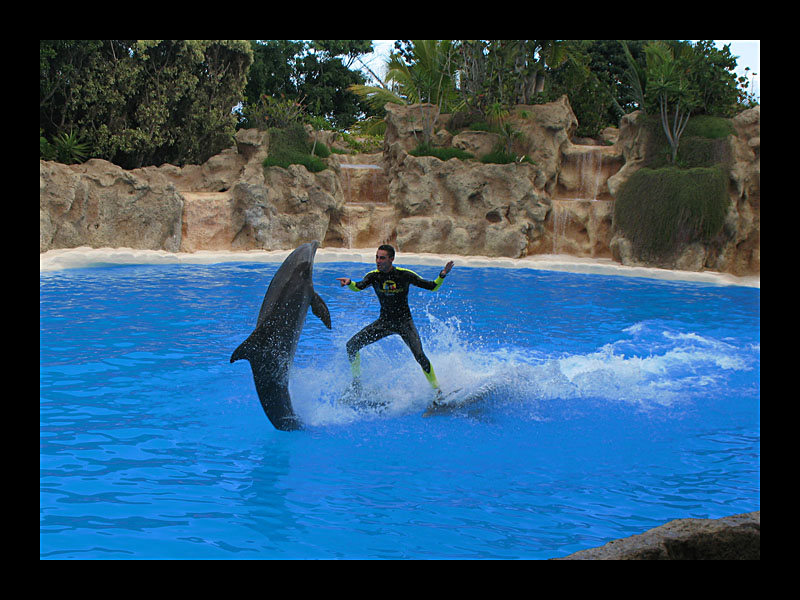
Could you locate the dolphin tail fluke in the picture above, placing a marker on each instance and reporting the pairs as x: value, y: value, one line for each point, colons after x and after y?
x: 320, y: 310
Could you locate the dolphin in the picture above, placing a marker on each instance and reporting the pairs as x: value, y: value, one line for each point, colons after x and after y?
x: 271, y: 347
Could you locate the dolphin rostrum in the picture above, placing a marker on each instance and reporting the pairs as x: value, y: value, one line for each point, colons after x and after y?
x: 271, y: 347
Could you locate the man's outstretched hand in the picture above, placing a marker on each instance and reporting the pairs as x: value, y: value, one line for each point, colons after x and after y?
x: 446, y: 269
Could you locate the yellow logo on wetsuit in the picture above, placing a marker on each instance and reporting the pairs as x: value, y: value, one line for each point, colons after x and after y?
x: 389, y: 287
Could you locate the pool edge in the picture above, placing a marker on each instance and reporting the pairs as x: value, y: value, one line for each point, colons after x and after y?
x: 83, y: 257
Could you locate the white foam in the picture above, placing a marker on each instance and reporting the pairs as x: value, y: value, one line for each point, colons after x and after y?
x: 83, y: 257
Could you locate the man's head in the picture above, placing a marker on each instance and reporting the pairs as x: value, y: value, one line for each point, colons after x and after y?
x: 384, y: 258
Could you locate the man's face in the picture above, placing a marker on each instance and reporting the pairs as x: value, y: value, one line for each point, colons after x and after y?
x: 383, y: 261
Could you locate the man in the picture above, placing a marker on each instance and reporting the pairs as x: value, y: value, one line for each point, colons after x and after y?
x: 391, y: 284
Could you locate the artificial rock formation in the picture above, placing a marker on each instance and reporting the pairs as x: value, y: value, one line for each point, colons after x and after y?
x: 561, y: 202
x: 739, y: 249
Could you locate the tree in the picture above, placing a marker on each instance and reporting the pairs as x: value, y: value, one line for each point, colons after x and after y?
x: 316, y: 73
x: 143, y: 102
x: 510, y: 71
x: 711, y: 71
x: 668, y: 86
x: 422, y: 71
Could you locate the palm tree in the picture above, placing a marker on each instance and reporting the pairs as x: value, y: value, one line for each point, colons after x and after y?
x: 429, y: 78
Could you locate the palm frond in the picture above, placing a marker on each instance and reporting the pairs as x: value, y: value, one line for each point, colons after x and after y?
x: 375, y: 97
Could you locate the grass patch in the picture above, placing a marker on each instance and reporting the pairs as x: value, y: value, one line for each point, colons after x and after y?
x: 662, y: 210
x: 500, y: 157
x: 292, y: 146
x: 704, y: 143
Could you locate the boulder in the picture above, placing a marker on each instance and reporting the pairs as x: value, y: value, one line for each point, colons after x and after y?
x: 730, y: 538
x: 477, y: 143
x: 409, y: 125
x: 291, y: 207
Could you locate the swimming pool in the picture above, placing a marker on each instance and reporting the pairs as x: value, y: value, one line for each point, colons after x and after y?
x: 615, y: 404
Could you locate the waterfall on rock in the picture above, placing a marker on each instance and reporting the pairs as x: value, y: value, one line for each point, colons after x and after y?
x: 590, y: 174
x: 582, y: 205
x: 364, y: 218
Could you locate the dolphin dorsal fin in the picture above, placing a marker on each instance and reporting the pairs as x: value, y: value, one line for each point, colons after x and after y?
x: 320, y: 310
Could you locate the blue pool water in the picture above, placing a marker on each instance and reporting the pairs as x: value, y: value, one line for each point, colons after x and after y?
x: 614, y: 405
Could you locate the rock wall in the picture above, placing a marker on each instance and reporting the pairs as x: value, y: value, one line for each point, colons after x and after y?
x: 731, y: 538
x: 562, y: 203
x: 98, y: 204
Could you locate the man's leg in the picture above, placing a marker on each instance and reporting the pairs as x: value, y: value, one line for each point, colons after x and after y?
x: 371, y: 333
x: 410, y: 336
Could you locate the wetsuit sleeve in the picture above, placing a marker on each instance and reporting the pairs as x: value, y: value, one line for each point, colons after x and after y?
x: 426, y: 284
x: 357, y: 286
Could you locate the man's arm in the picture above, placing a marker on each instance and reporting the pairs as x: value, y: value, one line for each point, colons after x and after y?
x: 356, y: 287
x: 427, y: 284
x: 346, y: 281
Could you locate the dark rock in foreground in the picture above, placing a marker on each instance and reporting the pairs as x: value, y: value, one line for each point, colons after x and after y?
x: 730, y: 538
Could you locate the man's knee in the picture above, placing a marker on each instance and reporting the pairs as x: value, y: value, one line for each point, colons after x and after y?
x: 352, y: 349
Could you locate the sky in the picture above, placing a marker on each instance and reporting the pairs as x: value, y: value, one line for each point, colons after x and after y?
x: 747, y: 51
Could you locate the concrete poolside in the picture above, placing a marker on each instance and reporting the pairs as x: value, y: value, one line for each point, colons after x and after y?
x: 83, y: 257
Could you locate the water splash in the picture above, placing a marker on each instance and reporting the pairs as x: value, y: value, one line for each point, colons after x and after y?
x: 648, y: 368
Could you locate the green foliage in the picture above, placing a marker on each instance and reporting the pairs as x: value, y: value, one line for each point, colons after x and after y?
x: 441, y: 153
x: 509, y: 72
x: 662, y: 210
x: 365, y: 144
x: 711, y: 72
x: 704, y: 143
x: 315, y: 73
x: 321, y: 150
x: 499, y: 157
x: 424, y: 73
x: 713, y: 128
x: 70, y: 148
x: 46, y: 150
x: 292, y: 146
x: 143, y: 102
x: 272, y: 112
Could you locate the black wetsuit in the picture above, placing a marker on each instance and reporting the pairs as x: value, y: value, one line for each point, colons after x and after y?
x: 395, y: 318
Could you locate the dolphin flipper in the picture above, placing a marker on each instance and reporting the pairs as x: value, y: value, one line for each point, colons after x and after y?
x: 320, y: 310
x: 243, y: 351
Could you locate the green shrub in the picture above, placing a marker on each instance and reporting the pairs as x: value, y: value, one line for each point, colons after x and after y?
x: 713, y: 128
x: 704, y: 143
x: 68, y: 148
x: 704, y: 152
x: 500, y: 157
x: 662, y: 210
x: 292, y: 146
x: 321, y: 150
x: 441, y: 153
x: 364, y: 143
